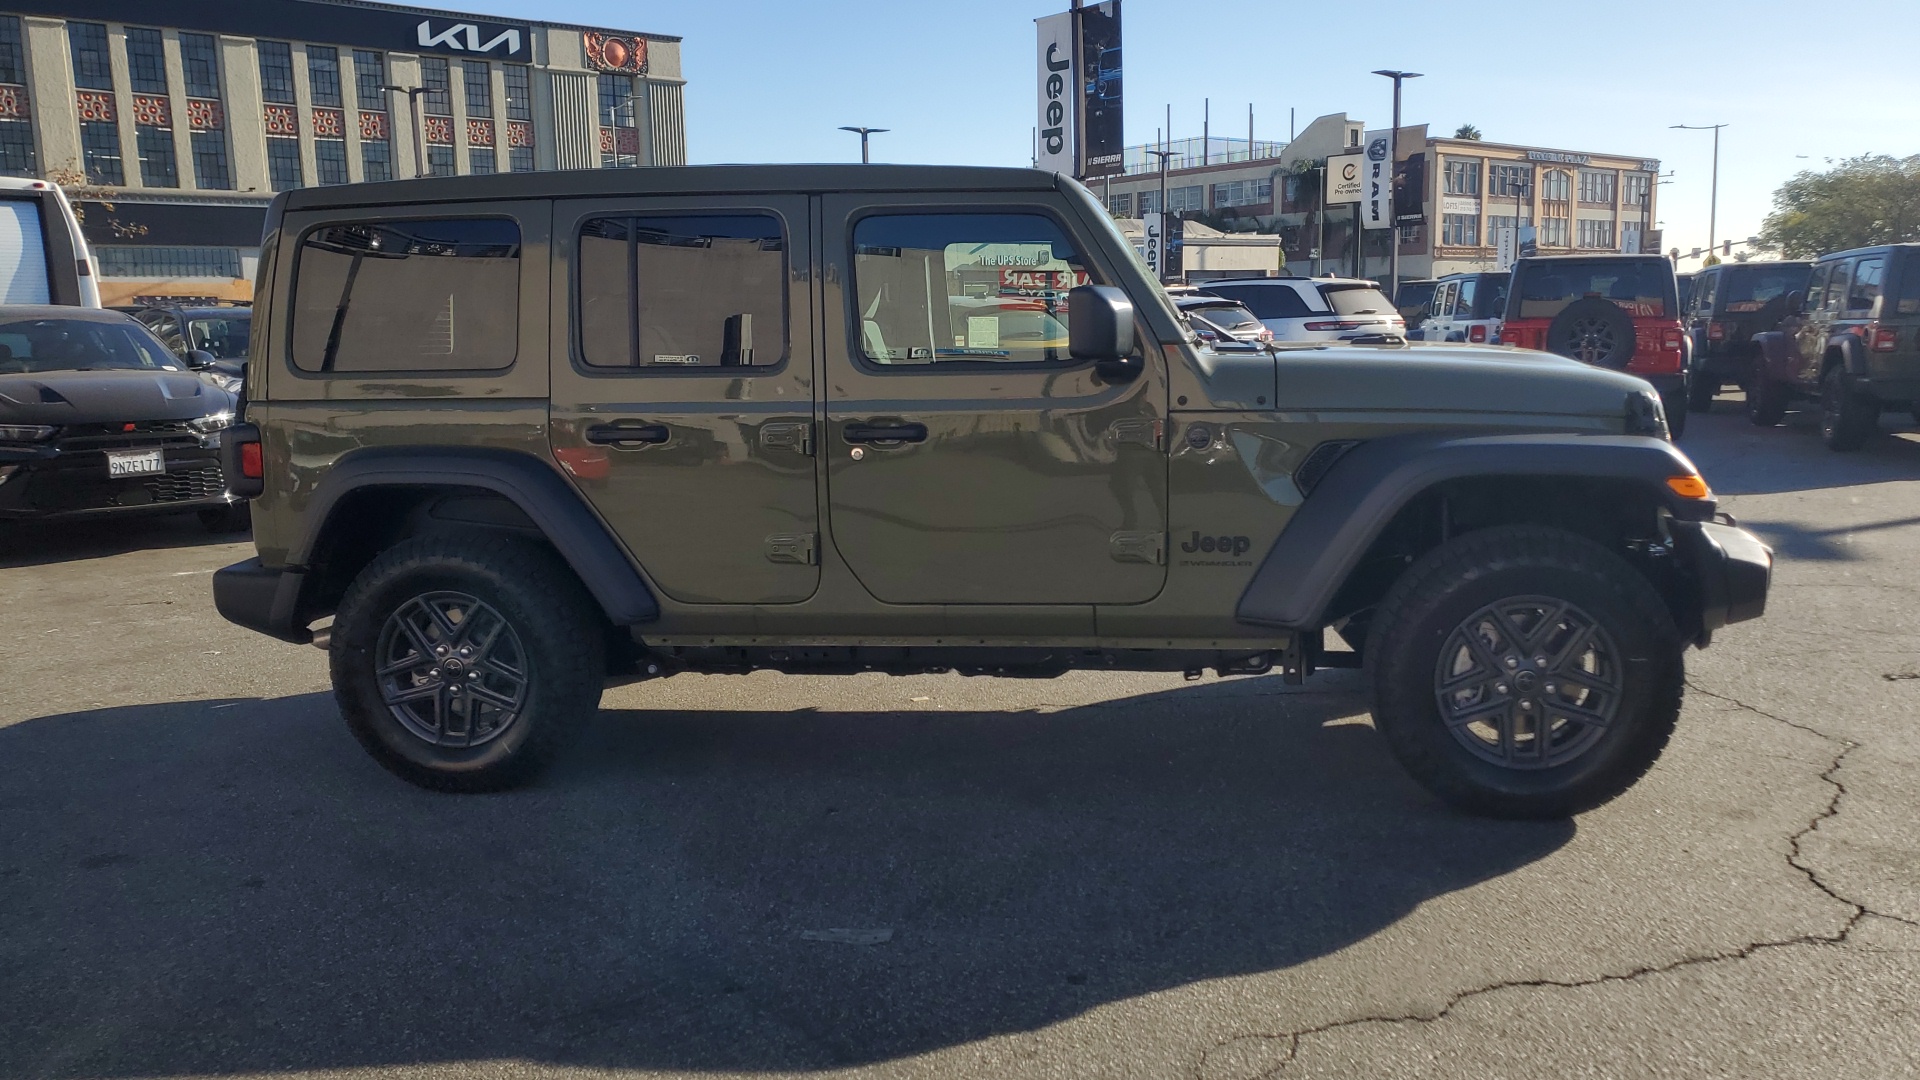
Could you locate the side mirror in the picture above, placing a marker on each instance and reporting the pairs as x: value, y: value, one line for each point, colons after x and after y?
x: 1796, y: 300
x: 200, y: 359
x: 1100, y: 328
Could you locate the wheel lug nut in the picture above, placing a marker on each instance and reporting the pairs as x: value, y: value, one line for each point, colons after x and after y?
x: 473, y: 674
x: 1512, y: 662
x: 1526, y: 703
x: 440, y: 651
x: 1540, y: 661
x: 1552, y: 689
x: 1499, y: 688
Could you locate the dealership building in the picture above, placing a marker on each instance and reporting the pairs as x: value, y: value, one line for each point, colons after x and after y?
x: 1457, y: 195
x: 172, y: 124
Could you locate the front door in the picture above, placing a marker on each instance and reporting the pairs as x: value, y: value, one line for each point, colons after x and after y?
x: 970, y: 459
x: 683, y: 407
x: 1816, y: 328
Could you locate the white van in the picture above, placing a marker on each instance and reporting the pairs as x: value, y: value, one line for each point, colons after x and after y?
x: 43, y: 257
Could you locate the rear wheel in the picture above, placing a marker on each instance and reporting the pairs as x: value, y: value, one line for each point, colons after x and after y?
x: 1847, y: 417
x: 1766, y: 399
x: 464, y: 663
x: 1701, y: 390
x: 1525, y: 672
x: 1674, y: 404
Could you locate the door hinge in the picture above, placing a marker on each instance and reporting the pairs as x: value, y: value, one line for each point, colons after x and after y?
x: 1140, y: 547
x: 796, y: 436
x: 1146, y: 431
x: 799, y: 548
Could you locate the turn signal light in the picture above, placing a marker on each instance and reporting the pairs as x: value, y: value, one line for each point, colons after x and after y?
x: 1689, y: 487
x: 252, y: 465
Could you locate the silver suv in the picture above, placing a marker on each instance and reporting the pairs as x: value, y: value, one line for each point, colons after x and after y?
x: 1316, y: 309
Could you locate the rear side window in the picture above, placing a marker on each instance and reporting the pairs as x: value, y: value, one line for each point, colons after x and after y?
x: 1907, y: 300
x: 1864, y: 294
x: 683, y: 291
x: 1706, y: 289
x: 1750, y: 288
x: 1266, y: 301
x: 427, y: 294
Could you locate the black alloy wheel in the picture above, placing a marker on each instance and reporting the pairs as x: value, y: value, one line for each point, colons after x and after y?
x: 1529, y: 682
x: 1593, y: 331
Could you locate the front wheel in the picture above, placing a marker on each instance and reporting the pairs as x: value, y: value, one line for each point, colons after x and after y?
x: 463, y: 663
x: 1700, y: 392
x: 1674, y: 404
x: 1766, y: 399
x: 1525, y: 672
x: 1847, y: 418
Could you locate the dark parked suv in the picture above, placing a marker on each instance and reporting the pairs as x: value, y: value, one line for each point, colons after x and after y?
x: 1853, y: 339
x: 1730, y: 304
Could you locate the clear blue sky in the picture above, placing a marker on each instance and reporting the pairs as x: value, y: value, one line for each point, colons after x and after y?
x: 771, y: 80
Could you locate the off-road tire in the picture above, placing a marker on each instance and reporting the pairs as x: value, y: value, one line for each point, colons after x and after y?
x: 231, y: 518
x: 1847, y: 418
x: 1675, y: 406
x: 1609, y: 324
x: 1766, y: 399
x: 1445, y: 589
x: 1700, y: 392
x: 558, y: 629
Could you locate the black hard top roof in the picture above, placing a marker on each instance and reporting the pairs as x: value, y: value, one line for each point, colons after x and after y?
x: 673, y: 180
x: 1865, y: 250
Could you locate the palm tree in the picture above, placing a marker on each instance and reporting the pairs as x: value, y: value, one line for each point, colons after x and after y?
x: 1467, y: 131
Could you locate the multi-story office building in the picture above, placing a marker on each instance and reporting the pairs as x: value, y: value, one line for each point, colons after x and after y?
x: 174, y: 123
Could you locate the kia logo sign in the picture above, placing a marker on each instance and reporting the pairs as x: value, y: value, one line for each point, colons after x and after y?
x: 468, y: 37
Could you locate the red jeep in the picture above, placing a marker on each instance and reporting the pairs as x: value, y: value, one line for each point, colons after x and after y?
x: 1612, y: 311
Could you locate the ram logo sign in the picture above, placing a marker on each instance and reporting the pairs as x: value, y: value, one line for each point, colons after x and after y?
x: 468, y: 37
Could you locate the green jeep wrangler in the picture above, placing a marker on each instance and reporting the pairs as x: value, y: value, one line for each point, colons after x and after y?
x: 521, y: 436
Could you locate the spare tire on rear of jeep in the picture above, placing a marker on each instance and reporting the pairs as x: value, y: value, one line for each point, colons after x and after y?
x: 1592, y: 331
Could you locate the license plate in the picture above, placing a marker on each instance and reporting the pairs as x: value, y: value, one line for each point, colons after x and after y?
x: 135, y: 462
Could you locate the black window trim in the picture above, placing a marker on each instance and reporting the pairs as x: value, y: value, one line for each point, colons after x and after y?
x: 856, y: 351
x: 285, y: 325
x: 576, y: 348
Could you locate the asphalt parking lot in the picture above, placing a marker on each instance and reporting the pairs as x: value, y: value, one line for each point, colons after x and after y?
x: 201, y: 873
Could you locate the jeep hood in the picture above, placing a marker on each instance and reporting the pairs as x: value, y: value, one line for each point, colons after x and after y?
x: 1428, y: 378
x: 82, y: 397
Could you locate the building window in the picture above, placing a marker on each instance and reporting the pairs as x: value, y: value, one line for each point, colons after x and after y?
x: 158, y: 166
x: 1410, y: 233
x: 1463, y: 176
x: 619, y: 127
x: 519, y: 91
x: 91, y: 69
x: 329, y: 161
x: 211, y: 171
x: 1596, y: 234
x: 520, y: 158
x: 1553, y: 231
x: 168, y: 262
x: 369, y: 75
x: 283, y: 163
x: 376, y: 159
x: 1509, y: 180
x: 17, y: 156
x: 479, y: 80
x: 1635, y: 189
x: 323, y: 76
x: 200, y: 65
x: 1557, y: 186
x: 1149, y: 202
x: 146, y: 61
x: 1242, y: 193
x: 480, y: 160
x: 439, y: 160
x: 1460, y: 230
x: 1121, y: 205
x: 1596, y: 187
x: 1184, y: 199
x: 434, y: 76
x: 276, y: 71
x: 100, y: 149
x: 13, y: 53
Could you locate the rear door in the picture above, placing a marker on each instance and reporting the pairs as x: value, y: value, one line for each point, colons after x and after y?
x: 969, y: 459
x: 683, y: 388
x: 1818, y: 322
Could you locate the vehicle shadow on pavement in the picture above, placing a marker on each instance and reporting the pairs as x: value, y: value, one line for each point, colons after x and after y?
x: 232, y: 886
x: 1741, y: 459
x: 37, y: 543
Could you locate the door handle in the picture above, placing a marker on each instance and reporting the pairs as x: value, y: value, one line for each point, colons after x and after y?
x: 622, y: 434
x: 877, y: 433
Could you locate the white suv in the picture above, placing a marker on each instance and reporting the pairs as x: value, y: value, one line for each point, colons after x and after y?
x: 1316, y: 309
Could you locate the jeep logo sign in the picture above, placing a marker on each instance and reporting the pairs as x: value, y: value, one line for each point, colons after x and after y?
x: 1057, y: 147
x: 482, y: 38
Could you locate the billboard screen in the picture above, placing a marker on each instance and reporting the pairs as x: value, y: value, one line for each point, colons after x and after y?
x: 1101, y: 136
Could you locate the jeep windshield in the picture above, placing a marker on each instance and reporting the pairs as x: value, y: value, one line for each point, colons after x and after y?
x: 1750, y: 288
x: 44, y: 345
x: 1644, y: 288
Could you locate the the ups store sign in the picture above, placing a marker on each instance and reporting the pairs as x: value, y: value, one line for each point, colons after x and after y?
x: 304, y: 20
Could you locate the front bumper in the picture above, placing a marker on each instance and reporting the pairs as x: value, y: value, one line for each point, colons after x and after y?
x: 58, y: 482
x: 1731, y: 570
x: 262, y: 599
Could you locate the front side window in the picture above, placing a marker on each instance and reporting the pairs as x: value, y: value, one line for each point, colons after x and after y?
x: 146, y: 61
x: 1817, y: 290
x: 683, y: 292
x: 1837, y: 286
x: 934, y: 288
x: 419, y: 295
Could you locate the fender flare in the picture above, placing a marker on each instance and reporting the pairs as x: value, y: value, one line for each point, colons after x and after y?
x: 1354, y: 502
x: 1852, y: 358
x: 534, y: 485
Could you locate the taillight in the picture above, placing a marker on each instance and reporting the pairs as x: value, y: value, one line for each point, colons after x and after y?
x: 241, y: 460
x: 1477, y: 334
x: 1671, y: 338
x: 1716, y: 331
x: 1340, y: 325
x: 252, y: 464
x: 1882, y: 338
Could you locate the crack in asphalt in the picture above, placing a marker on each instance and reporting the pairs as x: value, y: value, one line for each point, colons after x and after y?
x: 1830, y: 775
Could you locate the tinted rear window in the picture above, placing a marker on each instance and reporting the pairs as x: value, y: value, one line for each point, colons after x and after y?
x: 1906, y: 280
x: 1644, y: 287
x: 1492, y: 301
x: 1266, y: 301
x: 1416, y: 294
x: 1357, y: 300
x: 1749, y: 288
x: 410, y: 295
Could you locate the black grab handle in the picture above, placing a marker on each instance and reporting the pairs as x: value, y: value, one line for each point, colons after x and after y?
x: 874, y: 433
x: 616, y: 434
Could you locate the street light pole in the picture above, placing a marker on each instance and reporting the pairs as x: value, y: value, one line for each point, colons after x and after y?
x: 863, y: 132
x: 413, y: 112
x: 1713, y: 203
x: 1393, y: 165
